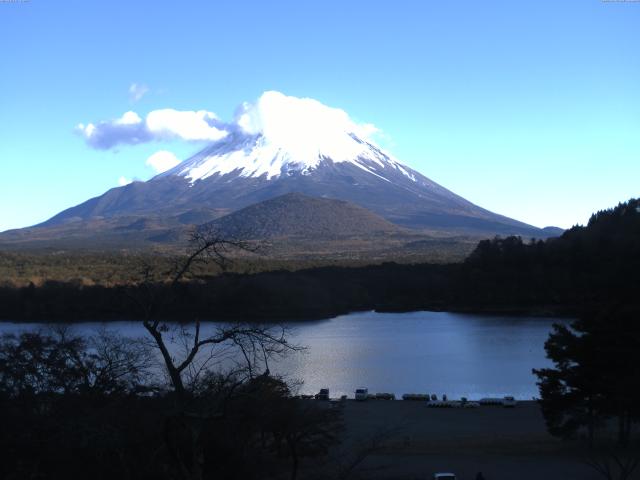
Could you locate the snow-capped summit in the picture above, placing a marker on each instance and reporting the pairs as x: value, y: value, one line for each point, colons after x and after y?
x: 281, y: 144
x: 278, y: 135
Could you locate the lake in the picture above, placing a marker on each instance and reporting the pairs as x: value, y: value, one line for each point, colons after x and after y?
x: 418, y: 352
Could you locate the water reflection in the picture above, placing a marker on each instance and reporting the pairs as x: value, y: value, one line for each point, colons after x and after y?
x: 421, y: 352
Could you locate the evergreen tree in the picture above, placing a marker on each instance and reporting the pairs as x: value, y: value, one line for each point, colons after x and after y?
x: 596, y: 374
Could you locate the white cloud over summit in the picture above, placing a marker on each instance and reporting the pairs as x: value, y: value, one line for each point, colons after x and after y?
x: 275, y: 115
x: 301, y: 126
x: 304, y: 128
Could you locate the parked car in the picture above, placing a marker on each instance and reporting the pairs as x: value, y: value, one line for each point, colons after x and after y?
x: 509, y: 402
x: 362, y: 394
x: 323, y: 394
x: 385, y: 396
x: 492, y: 401
x: 416, y: 397
x: 444, y: 476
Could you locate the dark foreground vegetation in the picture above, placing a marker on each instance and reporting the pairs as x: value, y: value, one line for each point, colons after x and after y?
x: 79, y: 408
x: 584, y: 268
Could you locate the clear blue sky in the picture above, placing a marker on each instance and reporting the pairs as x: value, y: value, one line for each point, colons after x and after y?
x: 527, y: 108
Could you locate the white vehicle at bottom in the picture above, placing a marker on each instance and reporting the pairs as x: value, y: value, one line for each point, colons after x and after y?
x: 362, y: 393
x: 444, y: 476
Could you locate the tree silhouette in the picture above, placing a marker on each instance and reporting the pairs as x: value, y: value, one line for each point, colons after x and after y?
x: 256, y: 343
x: 596, y: 374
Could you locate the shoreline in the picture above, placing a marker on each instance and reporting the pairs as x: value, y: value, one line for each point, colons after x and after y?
x: 533, y: 312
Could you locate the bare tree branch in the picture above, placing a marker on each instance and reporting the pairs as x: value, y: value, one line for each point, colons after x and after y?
x: 257, y: 344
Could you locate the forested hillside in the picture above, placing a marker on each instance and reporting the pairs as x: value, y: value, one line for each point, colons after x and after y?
x: 583, y: 269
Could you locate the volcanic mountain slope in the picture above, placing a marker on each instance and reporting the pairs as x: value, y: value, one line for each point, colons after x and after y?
x: 280, y: 145
x: 298, y: 215
x: 290, y: 228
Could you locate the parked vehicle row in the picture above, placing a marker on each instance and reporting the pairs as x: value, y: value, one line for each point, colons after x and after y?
x: 362, y: 394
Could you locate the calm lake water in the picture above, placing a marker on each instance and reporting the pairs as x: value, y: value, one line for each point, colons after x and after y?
x: 419, y: 352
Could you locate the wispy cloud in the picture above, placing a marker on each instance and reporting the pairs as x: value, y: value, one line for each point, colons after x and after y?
x: 137, y: 91
x: 165, y: 124
x: 122, y: 181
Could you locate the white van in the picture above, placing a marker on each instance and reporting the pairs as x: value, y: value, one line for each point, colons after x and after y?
x: 362, y: 394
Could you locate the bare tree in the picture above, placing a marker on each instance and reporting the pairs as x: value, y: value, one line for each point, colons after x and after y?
x: 256, y: 344
x: 120, y: 363
x: 202, y: 394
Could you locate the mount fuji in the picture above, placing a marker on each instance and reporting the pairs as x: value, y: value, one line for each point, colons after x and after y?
x: 279, y: 145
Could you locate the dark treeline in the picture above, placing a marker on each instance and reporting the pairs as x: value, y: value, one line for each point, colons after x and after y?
x: 584, y: 268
